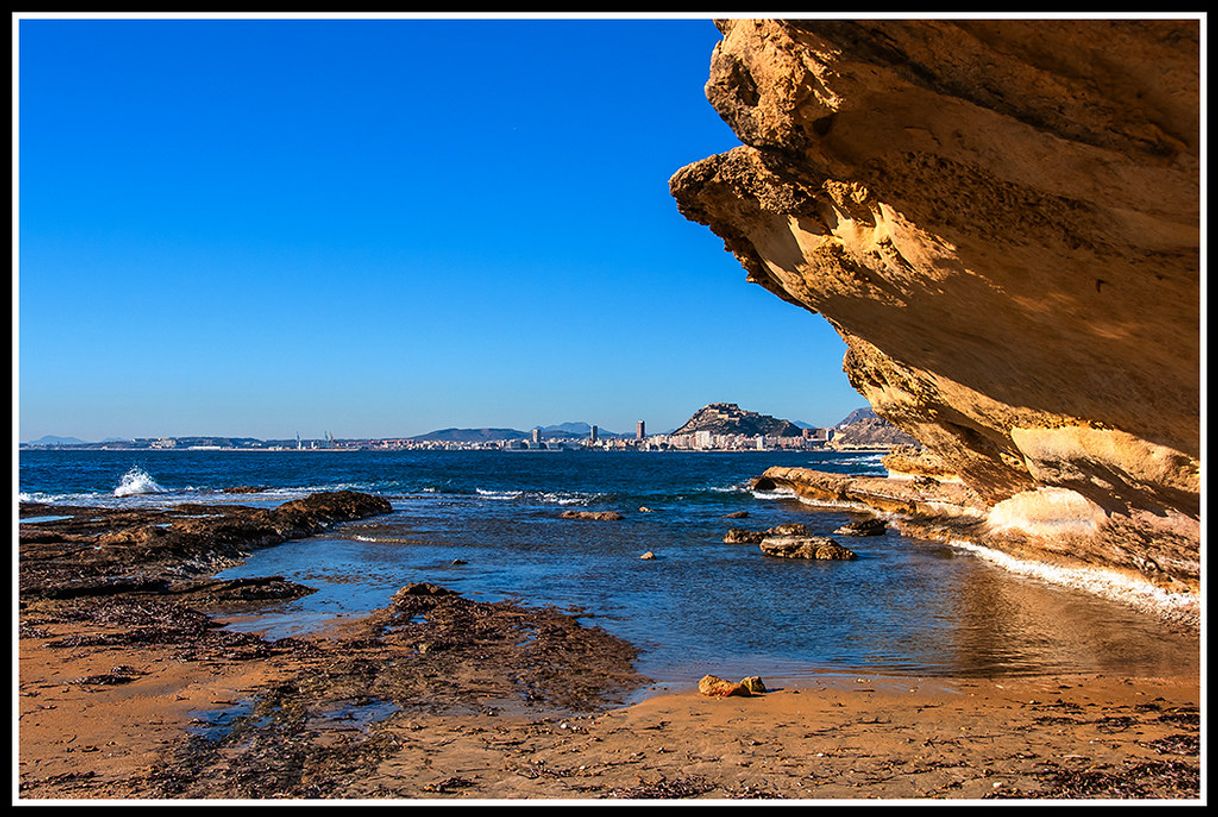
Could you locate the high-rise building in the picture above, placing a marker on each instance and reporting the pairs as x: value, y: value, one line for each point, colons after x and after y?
x: 593, y: 434
x: 640, y: 430
x: 537, y: 436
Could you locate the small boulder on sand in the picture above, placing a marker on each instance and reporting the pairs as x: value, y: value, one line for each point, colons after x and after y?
x: 599, y: 516
x: 754, y: 684
x: 715, y: 687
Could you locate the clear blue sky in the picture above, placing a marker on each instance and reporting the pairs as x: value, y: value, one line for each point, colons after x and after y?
x: 381, y: 228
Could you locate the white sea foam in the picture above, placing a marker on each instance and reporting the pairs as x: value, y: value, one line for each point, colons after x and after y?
x: 499, y: 494
x: 777, y: 493
x: 137, y: 481
x: 1110, y: 584
x: 550, y: 497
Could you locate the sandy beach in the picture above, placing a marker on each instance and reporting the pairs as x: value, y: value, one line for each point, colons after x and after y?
x: 869, y: 737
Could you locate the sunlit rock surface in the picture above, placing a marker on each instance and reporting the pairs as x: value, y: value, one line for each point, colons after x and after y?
x: 1001, y: 219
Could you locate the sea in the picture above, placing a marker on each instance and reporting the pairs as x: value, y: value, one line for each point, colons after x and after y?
x: 487, y: 524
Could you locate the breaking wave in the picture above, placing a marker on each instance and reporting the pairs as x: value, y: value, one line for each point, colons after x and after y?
x: 137, y: 481
x: 546, y: 497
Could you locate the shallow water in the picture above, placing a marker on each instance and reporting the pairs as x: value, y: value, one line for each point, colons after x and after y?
x: 905, y: 606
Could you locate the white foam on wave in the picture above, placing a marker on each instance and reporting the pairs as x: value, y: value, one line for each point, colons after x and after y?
x: 551, y: 497
x: 777, y: 493
x: 384, y: 540
x: 137, y: 481
x: 854, y: 459
x: 1099, y: 581
x: 499, y: 494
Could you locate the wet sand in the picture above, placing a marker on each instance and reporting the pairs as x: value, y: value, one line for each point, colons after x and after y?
x: 130, y: 691
x: 862, y: 737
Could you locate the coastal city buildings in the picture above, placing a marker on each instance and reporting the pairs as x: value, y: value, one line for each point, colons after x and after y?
x: 567, y: 437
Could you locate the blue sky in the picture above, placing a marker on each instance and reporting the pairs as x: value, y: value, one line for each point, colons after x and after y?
x: 380, y: 228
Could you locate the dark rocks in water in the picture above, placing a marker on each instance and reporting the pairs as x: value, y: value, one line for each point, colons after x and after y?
x: 736, y: 515
x: 230, y: 594
x: 107, y: 551
x: 458, y: 562
x: 742, y: 536
x: 805, y: 547
x: 598, y: 516
x: 245, y: 489
x: 421, y: 589
x: 789, y: 529
x: 864, y: 527
x: 764, y: 483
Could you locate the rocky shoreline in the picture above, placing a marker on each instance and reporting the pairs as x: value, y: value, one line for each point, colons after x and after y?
x: 131, y: 688
x: 944, y: 509
x: 115, y: 601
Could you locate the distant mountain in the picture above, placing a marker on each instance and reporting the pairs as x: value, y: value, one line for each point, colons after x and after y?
x: 865, y: 413
x: 576, y: 430
x: 863, y: 428
x: 802, y: 424
x: 51, y: 439
x: 729, y: 418
x: 472, y: 435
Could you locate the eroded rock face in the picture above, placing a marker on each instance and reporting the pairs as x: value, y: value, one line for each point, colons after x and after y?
x: 1001, y: 219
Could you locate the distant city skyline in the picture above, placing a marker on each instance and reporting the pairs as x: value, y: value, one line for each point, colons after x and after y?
x: 547, y: 430
x: 381, y: 228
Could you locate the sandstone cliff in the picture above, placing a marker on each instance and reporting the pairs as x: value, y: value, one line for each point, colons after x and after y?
x: 1001, y: 219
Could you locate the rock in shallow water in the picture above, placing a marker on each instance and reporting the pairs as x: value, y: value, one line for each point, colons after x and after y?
x: 741, y: 536
x: 744, y: 536
x: 598, y: 516
x: 805, y: 547
x: 865, y: 527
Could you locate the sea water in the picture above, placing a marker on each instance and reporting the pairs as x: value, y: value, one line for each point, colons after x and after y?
x: 905, y: 606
